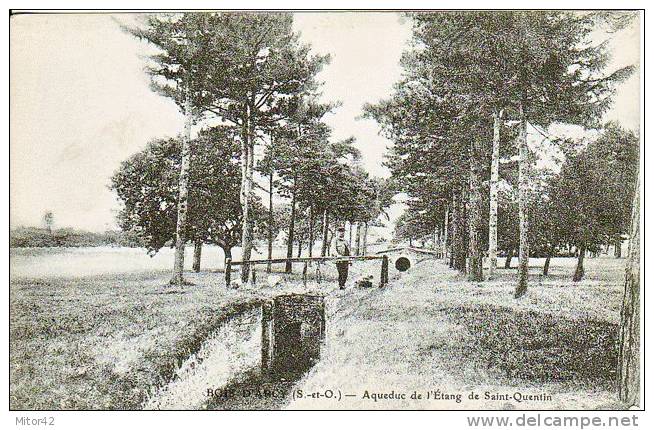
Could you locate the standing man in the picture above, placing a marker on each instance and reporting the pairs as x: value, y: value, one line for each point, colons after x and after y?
x: 341, y: 249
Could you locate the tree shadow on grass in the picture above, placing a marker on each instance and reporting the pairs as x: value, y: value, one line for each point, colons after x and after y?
x: 539, y: 347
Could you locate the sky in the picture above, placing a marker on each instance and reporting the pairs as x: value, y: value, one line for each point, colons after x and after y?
x: 81, y: 103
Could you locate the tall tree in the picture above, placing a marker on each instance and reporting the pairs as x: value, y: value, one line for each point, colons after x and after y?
x: 266, y: 167
x: 182, y: 45
x: 560, y: 76
x: 301, y: 147
x: 629, y: 353
x: 260, y: 66
x: 494, y: 181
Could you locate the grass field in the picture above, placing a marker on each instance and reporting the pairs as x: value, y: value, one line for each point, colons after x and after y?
x: 92, y: 261
x: 82, y: 340
x: 432, y: 330
x: 103, y: 342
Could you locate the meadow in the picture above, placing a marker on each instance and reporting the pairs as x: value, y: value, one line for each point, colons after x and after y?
x: 434, y: 331
x: 101, y: 329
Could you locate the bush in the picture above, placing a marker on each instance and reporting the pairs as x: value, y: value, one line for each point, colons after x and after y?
x: 31, y: 237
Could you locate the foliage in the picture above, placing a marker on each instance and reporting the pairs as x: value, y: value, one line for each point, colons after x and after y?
x: 48, y: 220
x: 592, y: 195
x: 462, y: 69
x: 322, y: 174
x: 30, y: 237
x: 147, y: 185
x: 411, y: 225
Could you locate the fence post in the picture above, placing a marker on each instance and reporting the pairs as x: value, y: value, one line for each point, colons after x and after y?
x: 304, y: 273
x: 384, y: 272
x: 253, y: 272
x: 266, y: 337
x: 228, y: 272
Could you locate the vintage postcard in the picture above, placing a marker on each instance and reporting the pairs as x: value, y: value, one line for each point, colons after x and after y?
x: 326, y: 210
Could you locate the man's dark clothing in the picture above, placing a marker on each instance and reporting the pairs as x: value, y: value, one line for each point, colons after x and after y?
x: 342, y: 267
x: 342, y: 249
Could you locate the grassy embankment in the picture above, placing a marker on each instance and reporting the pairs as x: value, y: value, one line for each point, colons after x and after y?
x: 434, y: 330
x: 107, y: 342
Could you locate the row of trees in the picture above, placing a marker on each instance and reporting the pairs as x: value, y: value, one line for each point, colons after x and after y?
x: 585, y: 207
x: 322, y: 190
x: 589, y: 203
x: 241, y: 70
x: 474, y: 85
x: 249, y: 85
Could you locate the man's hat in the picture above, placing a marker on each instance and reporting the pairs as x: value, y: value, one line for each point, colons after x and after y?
x: 341, y: 228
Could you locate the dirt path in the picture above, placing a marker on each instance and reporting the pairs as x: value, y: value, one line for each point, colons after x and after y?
x: 255, y: 390
x: 405, y: 339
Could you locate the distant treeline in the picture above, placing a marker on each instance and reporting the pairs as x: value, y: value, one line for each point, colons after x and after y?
x: 24, y: 237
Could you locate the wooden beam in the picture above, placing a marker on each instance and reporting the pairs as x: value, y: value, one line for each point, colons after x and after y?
x: 306, y: 259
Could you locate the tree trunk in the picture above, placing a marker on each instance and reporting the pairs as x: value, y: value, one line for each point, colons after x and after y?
x: 247, y: 147
x: 243, y: 196
x: 349, y: 243
x: 291, y: 232
x: 509, y: 257
x: 465, y: 238
x: 311, y: 221
x: 445, y: 231
x: 358, y: 239
x: 411, y: 242
x: 629, y: 353
x: 441, y: 242
x: 330, y: 237
x: 546, y: 267
x: 197, y: 255
x: 523, y: 263
x: 579, y: 271
x: 476, y: 267
x: 325, y: 230
x: 460, y: 260
x: 617, y: 252
x: 494, y: 181
x: 365, y: 239
x: 227, y: 250
x: 271, y: 218
x: 299, y: 248
x: 455, y: 229
x: 182, y: 200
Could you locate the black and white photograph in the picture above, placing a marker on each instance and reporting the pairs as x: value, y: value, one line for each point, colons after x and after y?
x: 365, y: 210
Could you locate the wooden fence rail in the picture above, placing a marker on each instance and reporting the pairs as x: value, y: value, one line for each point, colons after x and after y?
x: 306, y: 260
